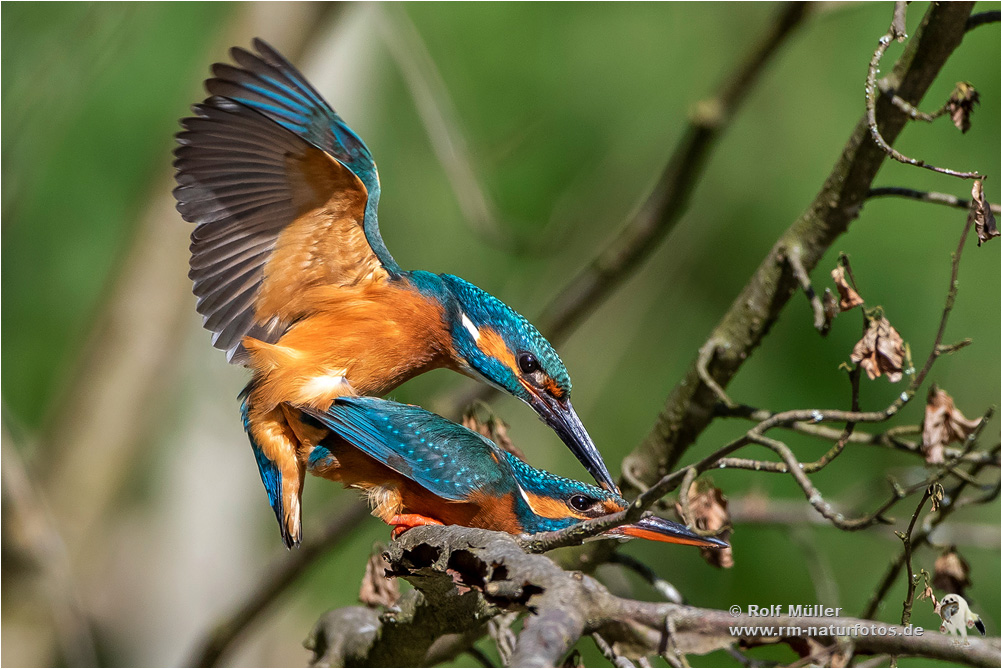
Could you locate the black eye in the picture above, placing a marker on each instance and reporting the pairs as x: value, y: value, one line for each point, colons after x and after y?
x: 581, y: 502
x: 527, y: 363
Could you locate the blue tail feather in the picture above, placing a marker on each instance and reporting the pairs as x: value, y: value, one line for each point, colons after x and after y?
x: 271, y: 477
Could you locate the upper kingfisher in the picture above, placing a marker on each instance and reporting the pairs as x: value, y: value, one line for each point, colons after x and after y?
x: 421, y: 469
x: 294, y: 280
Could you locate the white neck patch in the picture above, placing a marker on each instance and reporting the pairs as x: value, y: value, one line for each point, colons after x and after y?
x: 470, y: 327
x: 525, y: 497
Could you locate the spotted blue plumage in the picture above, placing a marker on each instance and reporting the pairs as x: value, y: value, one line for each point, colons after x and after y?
x: 459, y: 465
x: 443, y: 457
x: 447, y: 459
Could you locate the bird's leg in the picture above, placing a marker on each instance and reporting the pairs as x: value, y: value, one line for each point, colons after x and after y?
x: 405, y: 521
x: 307, y: 435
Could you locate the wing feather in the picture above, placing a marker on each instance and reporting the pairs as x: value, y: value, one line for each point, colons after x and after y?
x: 439, y: 455
x: 283, y: 195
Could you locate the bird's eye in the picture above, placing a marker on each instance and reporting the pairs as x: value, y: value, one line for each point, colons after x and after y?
x: 581, y: 502
x: 527, y: 363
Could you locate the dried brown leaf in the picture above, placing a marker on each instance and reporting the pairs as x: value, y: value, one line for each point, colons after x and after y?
x: 708, y: 507
x: 849, y: 298
x: 961, y: 105
x: 942, y: 425
x: 982, y: 215
x: 378, y: 589
x: 880, y: 351
x: 951, y: 573
x: 491, y: 427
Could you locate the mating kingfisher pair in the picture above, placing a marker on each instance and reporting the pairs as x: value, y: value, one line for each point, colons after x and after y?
x: 294, y: 281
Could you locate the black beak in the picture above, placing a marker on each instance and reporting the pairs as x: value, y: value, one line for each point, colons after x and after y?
x: 560, y: 416
x: 659, y: 529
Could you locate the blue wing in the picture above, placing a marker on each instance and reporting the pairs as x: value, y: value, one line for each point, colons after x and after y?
x: 446, y: 459
x: 271, y: 85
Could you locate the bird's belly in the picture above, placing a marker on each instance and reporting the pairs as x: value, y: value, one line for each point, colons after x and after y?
x: 362, y: 347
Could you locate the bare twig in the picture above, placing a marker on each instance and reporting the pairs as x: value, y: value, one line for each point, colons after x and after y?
x: 889, y: 438
x: 821, y: 322
x: 894, y: 32
x: 610, y: 654
x: 982, y: 19
x: 927, y: 196
x: 663, y: 587
x: 706, y: 353
x: 932, y: 491
x: 753, y: 509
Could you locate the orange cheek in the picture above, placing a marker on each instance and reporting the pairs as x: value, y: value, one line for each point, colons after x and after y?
x: 490, y: 343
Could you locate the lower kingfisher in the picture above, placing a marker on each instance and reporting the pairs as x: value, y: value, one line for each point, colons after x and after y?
x: 418, y: 468
x: 294, y: 280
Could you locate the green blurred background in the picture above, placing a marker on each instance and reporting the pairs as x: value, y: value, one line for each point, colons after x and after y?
x: 121, y: 430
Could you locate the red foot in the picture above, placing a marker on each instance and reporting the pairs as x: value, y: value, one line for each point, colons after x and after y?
x: 405, y: 521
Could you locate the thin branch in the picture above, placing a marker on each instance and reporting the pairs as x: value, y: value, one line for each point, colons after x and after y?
x: 927, y: 196
x: 893, y: 33
x: 663, y: 587
x: 932, y: 491
x: 890, y: 438
x: 754, y: 509
x: 665, y: 206
x: 982, y: 19
x: 821, y: 322
x: 211, y: 649
x: 706, y: 353
x: 610, y: 654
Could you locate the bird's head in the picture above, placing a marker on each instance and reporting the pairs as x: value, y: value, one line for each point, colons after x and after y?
x: 495, y: 344
x: 545, y: 502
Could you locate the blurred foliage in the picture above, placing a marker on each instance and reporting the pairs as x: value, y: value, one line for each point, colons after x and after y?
x: 569, y: 112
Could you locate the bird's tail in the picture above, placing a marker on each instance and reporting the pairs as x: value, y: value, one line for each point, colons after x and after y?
x: 980, y: 625
x: 284, y: 491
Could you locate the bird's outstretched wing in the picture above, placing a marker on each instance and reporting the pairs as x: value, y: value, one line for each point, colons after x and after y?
x: 283, y: 195
x: 446, y: 459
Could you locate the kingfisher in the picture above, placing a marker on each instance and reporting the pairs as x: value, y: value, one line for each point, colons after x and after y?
x: 294, y: 281
x: 419, y: 468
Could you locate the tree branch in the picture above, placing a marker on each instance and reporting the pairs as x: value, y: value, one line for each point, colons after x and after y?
x: 689, y: 408
x: 462, y: 575
x: 927, y: 196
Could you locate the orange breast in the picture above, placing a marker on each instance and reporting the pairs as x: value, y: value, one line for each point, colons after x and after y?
x: 359, y: 340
